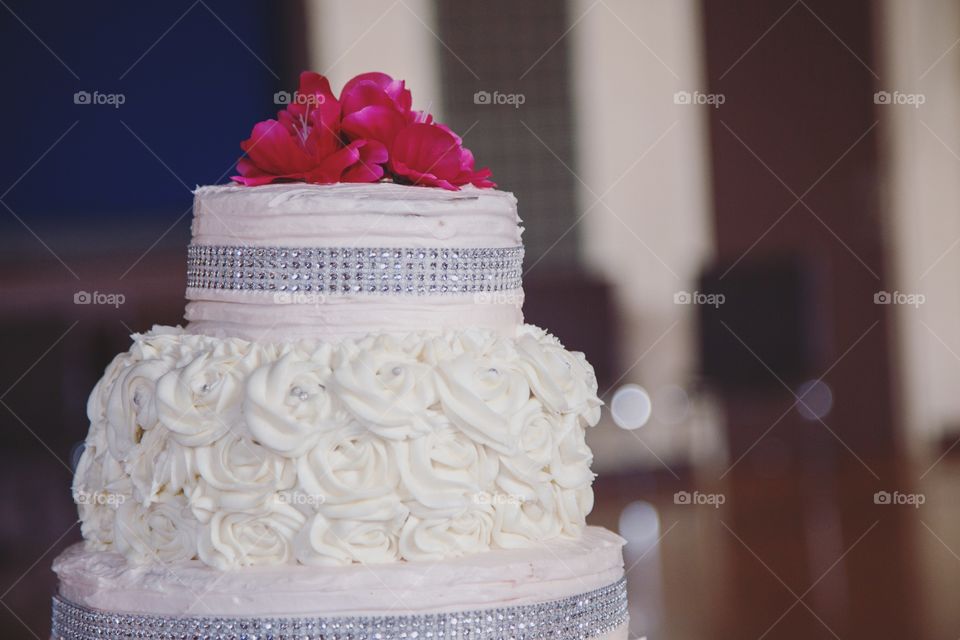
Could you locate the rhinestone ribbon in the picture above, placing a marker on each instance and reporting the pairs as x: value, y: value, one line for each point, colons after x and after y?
x: 579, y: 617
x: 366, y: 270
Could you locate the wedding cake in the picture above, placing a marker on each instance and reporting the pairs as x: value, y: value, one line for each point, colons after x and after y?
x: 354, y: 436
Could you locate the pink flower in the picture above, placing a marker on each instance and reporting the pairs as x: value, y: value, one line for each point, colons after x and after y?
x: 429, y: 154
x: 303, y: 143
x: 375, y: 107
x: 371, y: 128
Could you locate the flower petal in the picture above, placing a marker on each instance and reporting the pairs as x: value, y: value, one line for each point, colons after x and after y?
x: 369, y: 165
x: 426, y: 154
x: 374, y: 122
x: 274, y: 149
x: 314, y: 95
x: 374, y: 88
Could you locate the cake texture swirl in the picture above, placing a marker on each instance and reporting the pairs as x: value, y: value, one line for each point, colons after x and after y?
x: 421, y: 446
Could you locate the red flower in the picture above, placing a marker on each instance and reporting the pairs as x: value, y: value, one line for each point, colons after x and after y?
x: 320, y: 139
x: 375, y: 107
x: 304, y: 143
x: 429, y: 154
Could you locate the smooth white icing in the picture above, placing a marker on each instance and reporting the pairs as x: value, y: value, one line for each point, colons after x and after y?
x: 354, y: 215
x: 418, y: 447
x: 255, y: 315
x: 350, y: 215
x: 555, y: 570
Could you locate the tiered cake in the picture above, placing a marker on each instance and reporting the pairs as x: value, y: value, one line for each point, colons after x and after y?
x: 354, y: 437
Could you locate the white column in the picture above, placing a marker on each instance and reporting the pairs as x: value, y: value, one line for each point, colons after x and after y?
x: 348, y: 37
x: 651, y: 234
x: 921, y: 198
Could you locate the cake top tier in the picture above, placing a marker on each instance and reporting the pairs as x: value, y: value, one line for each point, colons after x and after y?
x: 279, y: 261
x: 354, y: 215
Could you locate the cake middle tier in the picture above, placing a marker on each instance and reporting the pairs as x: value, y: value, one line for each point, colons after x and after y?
x: 332, y: 261
x: 387, y: 448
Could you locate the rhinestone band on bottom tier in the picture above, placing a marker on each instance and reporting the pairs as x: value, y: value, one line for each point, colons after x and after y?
x: 579, y: 617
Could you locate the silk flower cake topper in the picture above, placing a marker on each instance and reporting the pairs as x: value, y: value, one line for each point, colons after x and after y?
x: 369, y: 134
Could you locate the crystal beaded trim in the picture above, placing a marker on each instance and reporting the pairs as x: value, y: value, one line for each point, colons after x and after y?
x: 580, y: 617
x: 367, y: 270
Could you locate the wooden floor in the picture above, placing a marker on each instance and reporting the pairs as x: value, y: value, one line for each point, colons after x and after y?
x: 815, y: 554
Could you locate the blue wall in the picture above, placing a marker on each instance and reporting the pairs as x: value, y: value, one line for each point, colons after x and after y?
x: 191, y: 99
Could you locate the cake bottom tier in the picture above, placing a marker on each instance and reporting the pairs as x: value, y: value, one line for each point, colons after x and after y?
x: 566, y: 589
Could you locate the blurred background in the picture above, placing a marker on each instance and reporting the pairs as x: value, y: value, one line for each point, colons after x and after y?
x: 745, y: 213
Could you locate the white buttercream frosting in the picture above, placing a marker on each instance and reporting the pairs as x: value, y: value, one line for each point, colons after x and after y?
x: 254, y: 315
x: 350, y: 215
x: 419, y: 446
x: 508, y: 577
